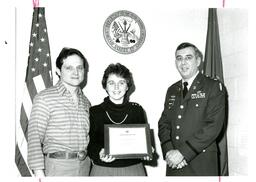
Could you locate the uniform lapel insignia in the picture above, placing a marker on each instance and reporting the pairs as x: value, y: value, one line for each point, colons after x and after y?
x: 220, y: 86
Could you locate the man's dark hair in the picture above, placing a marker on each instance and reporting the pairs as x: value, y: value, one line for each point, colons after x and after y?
x: 187, y: 44
x: 66, y: 52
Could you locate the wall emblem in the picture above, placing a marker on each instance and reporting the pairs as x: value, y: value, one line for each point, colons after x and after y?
x: 124, y: 32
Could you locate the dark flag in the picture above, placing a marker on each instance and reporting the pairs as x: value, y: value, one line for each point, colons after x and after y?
x: 213, y: 68
x: 38, y: 77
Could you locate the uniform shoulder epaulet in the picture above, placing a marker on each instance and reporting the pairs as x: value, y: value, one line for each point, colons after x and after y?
x: 216, y: 80
x: 220, y: 85
x: 134, y: 104
x: 219, y: 82
x: 211, y: 78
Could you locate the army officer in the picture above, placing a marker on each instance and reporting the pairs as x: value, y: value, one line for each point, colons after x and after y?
x: 192, y: 118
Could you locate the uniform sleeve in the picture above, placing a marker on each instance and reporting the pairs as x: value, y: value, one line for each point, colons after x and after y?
x: 164, y: 130
x: 36, y: 130
x: 213, y: 123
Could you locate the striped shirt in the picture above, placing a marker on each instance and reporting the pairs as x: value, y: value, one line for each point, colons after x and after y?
x: 57, y: 124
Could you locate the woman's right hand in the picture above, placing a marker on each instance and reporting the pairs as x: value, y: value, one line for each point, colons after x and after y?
x: 104, y: 157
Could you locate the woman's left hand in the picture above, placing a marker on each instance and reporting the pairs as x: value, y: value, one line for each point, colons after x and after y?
x: 147, y: 158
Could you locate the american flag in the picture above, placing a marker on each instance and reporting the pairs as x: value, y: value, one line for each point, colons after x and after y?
x: 38, y: 77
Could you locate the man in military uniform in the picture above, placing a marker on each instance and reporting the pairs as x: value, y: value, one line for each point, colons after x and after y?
x: 192, y: 118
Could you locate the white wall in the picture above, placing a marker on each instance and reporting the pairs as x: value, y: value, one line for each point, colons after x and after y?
x: 7, y: 89
x: 79, y: 24
x: 234, y: 44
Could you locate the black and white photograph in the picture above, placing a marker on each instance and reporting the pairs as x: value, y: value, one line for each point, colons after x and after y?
x: 154, y: 90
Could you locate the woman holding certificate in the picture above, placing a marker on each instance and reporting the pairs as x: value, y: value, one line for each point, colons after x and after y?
x: 116, y: 110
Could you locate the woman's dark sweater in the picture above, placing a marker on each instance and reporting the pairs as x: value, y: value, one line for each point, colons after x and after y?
x: 98, y: 118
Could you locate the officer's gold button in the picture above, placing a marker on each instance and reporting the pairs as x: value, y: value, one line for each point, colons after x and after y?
x: 197, y: 105
x: 178, y: 127
x: 203, y: 150
x: 177, y: 137
x: 179, y: 116
x: 181, y: 106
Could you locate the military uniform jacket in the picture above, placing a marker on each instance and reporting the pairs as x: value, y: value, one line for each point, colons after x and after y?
x: 192, y: 124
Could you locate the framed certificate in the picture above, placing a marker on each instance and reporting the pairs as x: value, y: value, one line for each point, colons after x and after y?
x: 127, y: 141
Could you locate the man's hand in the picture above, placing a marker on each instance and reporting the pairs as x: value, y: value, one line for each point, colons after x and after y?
x: 173, y: 158
x: 182, y: 164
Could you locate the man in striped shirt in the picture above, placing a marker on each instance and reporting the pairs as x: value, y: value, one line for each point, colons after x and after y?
x: 59, y: 122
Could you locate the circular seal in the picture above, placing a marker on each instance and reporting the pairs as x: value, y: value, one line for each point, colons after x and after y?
x: 124, y: 32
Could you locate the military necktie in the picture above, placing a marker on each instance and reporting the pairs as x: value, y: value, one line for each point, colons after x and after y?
x: 185, y: 89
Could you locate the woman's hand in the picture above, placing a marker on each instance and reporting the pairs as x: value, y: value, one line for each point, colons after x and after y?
x: 147, y: 158
x: 104, y: 157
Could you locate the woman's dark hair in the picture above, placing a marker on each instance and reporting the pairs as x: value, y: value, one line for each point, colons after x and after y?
x: 120, y: 70
x: 65, y: 52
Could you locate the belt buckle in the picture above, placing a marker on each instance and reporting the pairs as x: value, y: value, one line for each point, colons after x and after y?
x: 81, y: 155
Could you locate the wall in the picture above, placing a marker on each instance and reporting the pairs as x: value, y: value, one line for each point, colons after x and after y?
x: 233, y: 26
x: 79, y: 24
x: 7, y: 91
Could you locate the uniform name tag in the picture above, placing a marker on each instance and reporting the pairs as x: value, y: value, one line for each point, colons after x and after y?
x: 198, y: 95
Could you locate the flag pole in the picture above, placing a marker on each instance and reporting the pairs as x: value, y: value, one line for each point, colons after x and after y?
x: 35, y: 3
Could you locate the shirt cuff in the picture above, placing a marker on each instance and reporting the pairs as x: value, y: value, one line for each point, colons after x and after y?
x: 166, y: 146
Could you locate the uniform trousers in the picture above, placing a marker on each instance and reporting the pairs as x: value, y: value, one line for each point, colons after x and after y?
x: 67, y: 167
x: 134, y: 170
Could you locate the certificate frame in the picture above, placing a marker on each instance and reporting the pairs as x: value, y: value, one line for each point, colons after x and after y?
x: 138, y: 136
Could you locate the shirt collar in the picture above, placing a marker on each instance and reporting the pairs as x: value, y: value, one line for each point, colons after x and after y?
x: 190, y: 81
x: 63, y: 90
